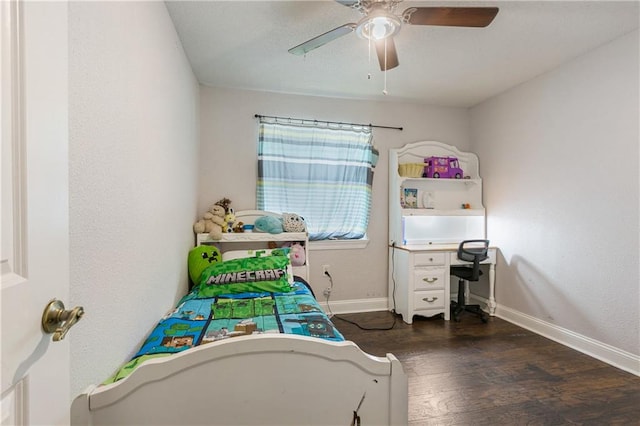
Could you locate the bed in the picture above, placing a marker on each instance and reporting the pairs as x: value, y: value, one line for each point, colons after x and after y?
x: 230, y: 360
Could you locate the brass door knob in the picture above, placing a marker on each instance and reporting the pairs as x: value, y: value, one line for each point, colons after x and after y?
x: 57, y: 320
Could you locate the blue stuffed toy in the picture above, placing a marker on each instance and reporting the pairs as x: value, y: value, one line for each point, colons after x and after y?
x: 270, y: 224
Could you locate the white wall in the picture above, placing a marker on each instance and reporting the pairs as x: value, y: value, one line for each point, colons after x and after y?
x: 134, y: 140
x: 559, y: 158
x: 228, y: 165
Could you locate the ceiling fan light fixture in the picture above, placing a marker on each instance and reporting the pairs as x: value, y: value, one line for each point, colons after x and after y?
x: 378, y: 26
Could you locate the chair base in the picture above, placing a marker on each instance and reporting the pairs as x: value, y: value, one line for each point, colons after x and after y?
x: 457, y: 311
x: 459, y: 307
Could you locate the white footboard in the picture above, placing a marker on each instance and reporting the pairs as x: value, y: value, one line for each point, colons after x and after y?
x: 254, y: 380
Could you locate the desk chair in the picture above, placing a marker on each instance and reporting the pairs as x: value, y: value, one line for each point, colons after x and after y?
x: 473, y: 251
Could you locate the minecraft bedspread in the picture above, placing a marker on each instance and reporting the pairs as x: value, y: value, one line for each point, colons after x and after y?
x: 196, y: 321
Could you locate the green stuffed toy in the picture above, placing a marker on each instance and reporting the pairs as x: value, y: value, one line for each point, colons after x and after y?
x: 200, y: 258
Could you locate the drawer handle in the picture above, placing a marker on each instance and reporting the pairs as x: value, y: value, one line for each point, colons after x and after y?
x: 430, y: 299
x: 431, y: 259
x: 430, y: 280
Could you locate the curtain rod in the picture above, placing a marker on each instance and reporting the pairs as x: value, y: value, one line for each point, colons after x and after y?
x: 326, y: 122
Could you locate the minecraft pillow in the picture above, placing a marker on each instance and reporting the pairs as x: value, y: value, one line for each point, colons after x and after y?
x: 239, y: 254
x: 246, y: 275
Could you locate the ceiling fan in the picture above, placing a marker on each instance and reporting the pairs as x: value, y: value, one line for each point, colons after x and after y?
x: 380, y: 23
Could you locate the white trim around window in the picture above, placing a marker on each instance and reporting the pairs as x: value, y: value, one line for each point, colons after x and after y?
x: 339, y: 244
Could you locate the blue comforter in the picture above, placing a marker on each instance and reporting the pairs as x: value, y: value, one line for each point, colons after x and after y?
x: 197, y: 321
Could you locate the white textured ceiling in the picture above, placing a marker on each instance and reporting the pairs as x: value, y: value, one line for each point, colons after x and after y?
x: 243, y: 44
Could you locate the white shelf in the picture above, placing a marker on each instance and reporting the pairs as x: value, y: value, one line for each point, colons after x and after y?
x: 402, y: 179
x: 440, y: 212
x: 252, y: 237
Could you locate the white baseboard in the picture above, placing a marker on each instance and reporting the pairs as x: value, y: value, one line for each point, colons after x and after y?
x: 356, y: 305
x: 611, y: 355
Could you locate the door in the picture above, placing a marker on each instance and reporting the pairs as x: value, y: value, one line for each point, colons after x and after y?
x: 35, y: 221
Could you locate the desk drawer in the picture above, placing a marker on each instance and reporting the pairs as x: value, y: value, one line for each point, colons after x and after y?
x: 428, y: 300
x: 428, y: 279
x: 428, y: 259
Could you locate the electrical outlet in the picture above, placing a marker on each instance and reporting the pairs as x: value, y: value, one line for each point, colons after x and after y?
x: 325, y: 270
x: 327, y: 292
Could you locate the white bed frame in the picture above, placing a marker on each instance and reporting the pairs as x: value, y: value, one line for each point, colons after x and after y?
x: 268, y: 379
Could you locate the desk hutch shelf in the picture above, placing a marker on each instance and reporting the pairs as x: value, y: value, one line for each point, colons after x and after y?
x: 435, y: 197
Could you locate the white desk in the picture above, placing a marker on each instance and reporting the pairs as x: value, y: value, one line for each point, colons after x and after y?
x: 419, y: 279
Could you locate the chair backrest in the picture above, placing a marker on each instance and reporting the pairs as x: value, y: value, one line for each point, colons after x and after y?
x: 474, y: 251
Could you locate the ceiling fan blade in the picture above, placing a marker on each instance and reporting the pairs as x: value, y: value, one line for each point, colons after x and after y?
x: 391, y: 59
x: 450, y: 16
x: 348, y: 3
x: 322, y: 39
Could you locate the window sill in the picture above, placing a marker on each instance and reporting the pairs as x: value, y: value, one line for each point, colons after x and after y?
x: 339, y: 244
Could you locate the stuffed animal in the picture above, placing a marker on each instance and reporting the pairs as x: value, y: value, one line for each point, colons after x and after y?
x: 200, y: 258
x: 270, y: 224
x: 291, y: 222
x: 297, y: 254
x: 212, y: 222
x: 238, y: 227
x: 229, y: 216
x: 230, y: 220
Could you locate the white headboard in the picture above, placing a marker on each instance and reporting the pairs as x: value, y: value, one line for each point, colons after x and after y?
x: 258, y: 240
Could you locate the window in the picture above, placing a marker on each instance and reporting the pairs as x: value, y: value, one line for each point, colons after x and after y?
x: 324, y: 174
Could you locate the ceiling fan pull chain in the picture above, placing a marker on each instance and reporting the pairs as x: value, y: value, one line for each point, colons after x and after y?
x: 384, y: 91
x: 369, y: 73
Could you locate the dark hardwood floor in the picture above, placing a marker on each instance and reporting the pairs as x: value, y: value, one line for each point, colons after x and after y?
x: 470, y: 373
